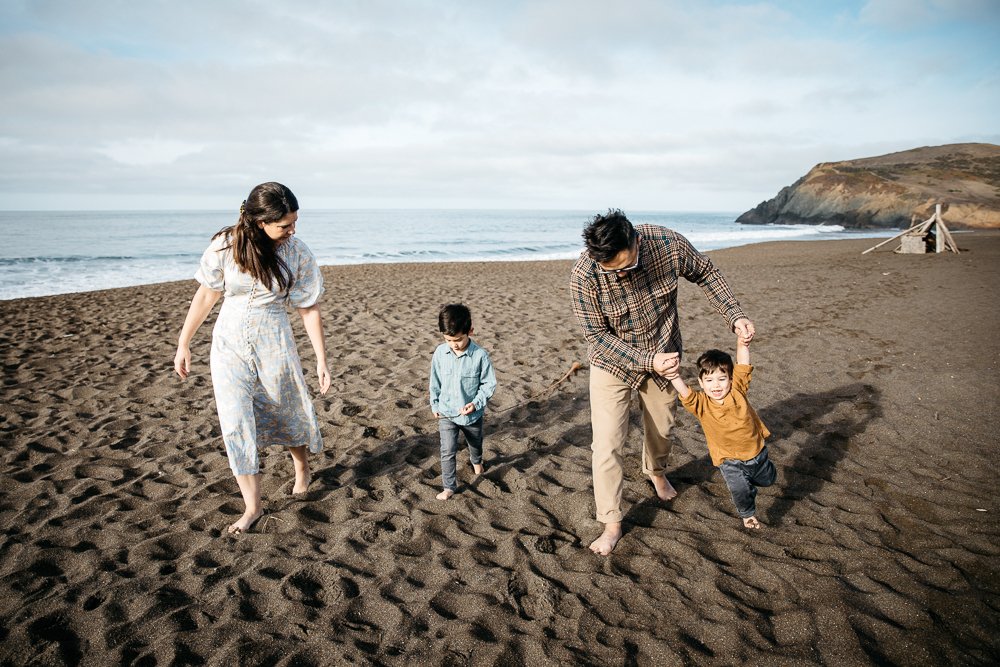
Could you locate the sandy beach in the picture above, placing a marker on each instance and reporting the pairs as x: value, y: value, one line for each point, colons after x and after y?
x: 876, y: 374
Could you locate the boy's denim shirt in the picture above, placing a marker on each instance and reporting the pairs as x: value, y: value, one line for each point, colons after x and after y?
x: 458, y: 380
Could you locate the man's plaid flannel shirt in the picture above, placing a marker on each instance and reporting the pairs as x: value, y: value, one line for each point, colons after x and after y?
x: 629, y: 319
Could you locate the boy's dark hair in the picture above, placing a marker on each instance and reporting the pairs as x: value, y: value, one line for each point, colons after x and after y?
x: 454, y: 320
x: 607, y: 235
x: 712, y: 361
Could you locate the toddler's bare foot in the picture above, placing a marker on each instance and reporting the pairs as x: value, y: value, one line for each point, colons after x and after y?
x: 245, y: 522
x: 664, y: 489
x: 302, y: 482
x: 477, y: 468
x: 445, y: 495
x: 751, y: 522
x: 604, y: 544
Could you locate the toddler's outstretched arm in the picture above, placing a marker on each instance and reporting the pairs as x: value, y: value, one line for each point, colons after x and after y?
x: 743, y: 349
x: 675, y: 379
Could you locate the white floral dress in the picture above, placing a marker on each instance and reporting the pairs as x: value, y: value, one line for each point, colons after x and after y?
x: 261, y: 395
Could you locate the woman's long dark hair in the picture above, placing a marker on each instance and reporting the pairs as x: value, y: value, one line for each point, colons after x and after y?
x: 253, y: 250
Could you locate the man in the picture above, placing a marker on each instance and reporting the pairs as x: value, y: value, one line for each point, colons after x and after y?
x: 624, y: 290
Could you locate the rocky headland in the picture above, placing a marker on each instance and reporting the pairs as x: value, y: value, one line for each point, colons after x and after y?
x: 892, y: 190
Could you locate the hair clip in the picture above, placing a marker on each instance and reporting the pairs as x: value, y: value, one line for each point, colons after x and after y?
x: 243, y: 206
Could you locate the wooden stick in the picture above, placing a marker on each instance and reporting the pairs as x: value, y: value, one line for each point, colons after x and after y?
x: 576, y: 366
x: 945, y: 241
x: 939, y: 238
x: 950, y: 239
x: 902, y: 233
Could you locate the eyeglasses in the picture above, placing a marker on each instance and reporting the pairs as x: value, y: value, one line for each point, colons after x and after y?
x: 624, y: 269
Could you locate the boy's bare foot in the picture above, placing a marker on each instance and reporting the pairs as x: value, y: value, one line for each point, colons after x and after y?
x: 751, y: 522
x: 604, y: 544
x: 245, y: 522
x: 664, y: 489
x: 477, y: 468
x: 445, y: 495
x: 302, y: 483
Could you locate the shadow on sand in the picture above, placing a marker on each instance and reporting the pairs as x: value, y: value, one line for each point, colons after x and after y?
x: 852, y: 408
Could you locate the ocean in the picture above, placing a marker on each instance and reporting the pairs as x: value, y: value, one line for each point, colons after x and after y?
x: 57, y: 252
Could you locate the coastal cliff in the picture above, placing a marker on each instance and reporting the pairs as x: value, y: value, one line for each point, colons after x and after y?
x: 889, y: 191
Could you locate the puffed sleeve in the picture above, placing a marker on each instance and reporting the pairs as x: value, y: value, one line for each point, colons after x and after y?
x: 211, y: 271
x: 307, y: 287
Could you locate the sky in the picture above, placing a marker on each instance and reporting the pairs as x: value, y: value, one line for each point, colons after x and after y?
x: 654, y: 105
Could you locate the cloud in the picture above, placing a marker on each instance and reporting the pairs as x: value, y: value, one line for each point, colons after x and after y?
x: 909, y: 14
x: 543, y: 103
x: 149, y: 151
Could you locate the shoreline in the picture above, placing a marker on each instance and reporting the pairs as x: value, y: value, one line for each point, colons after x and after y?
x: 137, y: 265
x: 875, y: 549
x: 459, y: 261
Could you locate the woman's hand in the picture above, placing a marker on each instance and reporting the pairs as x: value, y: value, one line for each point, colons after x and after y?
x: 323, y: 373
x: 182, y: 361
x: 313, y: 322
x: 201, y: 305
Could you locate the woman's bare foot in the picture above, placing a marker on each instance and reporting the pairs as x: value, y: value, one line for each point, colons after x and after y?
x: 445, y: 495
x: 246, y: 521
x: 751, y: 522
x: 604, y: 544
x: 477, y: 468
x: 664, y: 489
x: 302, y: 482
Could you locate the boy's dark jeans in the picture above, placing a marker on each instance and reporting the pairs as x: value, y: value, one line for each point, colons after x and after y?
x: 743, y: 478
x: 449, y: 447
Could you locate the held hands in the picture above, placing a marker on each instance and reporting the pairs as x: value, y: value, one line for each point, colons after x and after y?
x: 667, y: 364
x: 744, y: 330
x: 744, y: 335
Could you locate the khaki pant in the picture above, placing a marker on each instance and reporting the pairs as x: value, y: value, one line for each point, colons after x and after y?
x: 610, y: 399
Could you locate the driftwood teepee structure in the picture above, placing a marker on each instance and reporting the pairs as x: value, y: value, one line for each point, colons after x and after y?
x: 919, y: 238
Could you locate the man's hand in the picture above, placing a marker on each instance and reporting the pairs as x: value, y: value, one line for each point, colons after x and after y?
x: 666, y: 363
x: 468, y: 409
x: 744, y: 329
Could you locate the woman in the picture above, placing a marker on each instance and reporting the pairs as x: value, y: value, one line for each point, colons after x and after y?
x: 261, y: 395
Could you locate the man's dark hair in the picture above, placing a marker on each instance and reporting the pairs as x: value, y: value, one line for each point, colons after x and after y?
x: 712, y: 361
x: 607, y: 235
x: 454, y: 320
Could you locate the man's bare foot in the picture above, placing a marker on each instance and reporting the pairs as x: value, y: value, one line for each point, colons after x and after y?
x: 302, y: 483
x: 664, y: 489
x: 245, y: 522
x: 604, y: 544
x: 477, y: 468
x: 445, y: 495
x: 751, y: 522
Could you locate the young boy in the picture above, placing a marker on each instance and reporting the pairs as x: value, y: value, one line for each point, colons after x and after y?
x: 462, y: 381
x: 733, y: 431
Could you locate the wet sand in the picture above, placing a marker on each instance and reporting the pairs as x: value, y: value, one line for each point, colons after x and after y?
x: 876, y: 374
